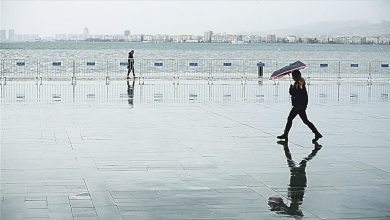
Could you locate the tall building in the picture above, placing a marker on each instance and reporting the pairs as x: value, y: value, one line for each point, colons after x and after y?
x: 86, y: 32
x: 207, y: 36
x: 126, y: 33
x: 271, y: 38
x: 3, y: 35
x: 11, y: 35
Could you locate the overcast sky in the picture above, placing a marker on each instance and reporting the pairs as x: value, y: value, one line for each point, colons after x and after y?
x: 181, y: 16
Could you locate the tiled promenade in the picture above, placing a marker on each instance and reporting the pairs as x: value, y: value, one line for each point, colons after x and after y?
x: 139, y: 155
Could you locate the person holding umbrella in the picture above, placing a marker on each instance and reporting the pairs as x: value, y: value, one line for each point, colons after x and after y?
x: 299, y: 100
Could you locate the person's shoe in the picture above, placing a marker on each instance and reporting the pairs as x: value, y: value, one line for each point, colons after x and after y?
x: 283, y: 136
x: 317, y: 137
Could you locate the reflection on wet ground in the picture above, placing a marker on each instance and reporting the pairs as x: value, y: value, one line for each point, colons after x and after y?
x: 192, y: 151
x: 189, y: 91
x: 298, y: 183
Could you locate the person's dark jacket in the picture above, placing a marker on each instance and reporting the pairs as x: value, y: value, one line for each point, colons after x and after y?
x: 298, y: 95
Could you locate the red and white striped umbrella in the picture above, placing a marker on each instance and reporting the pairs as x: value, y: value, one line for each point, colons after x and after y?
x: 287, y: 69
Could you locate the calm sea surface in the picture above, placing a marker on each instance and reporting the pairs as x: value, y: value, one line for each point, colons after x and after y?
x: 110, y: 50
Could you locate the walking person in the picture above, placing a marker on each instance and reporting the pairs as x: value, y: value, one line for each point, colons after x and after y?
x: 299, y: 100
x: 130, y: 64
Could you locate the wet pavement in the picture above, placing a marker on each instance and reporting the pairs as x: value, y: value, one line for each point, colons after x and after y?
x: 192, y: 151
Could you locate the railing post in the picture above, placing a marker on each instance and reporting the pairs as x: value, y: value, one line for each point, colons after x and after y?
x: 74, y: 73
x: 107, y: 74
x: 177, y: 71
x: 339, y: 73
x: 210, y: 71
x: 369, y: 80
x: 241, y: 70
x: 1, y: 69
x: 142, y: 72
x: 37, y: 72
x: 3, y: 72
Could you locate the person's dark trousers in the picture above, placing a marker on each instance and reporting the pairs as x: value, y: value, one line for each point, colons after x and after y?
x: 132, y: 67
x: 301, y: 111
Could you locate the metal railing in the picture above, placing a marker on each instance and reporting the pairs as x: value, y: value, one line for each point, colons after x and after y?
x: 84, y: 92
x: 207, y: 69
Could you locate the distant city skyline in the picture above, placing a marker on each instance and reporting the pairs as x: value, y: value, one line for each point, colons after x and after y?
x: 181, y: 17
x: 10, y: 36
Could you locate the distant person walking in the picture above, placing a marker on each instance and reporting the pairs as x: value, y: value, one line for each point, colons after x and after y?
x: 130, y: 64
x: 299, y: 101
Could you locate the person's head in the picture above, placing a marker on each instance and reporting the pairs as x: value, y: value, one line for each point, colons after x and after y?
x: 132, y: 51
x: 296, y: 75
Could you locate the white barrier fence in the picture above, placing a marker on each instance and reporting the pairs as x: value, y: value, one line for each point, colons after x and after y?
x: 132, y: 93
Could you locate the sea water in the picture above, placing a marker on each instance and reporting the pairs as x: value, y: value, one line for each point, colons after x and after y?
x: 117, y: 50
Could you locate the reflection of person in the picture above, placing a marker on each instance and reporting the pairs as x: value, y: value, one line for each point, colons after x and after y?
x: 297, y: 185
x: 130, y: 63
x: 130, y: 93
x: 299, y: 101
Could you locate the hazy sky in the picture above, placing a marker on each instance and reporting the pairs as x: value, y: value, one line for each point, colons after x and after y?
x: 180, y: 16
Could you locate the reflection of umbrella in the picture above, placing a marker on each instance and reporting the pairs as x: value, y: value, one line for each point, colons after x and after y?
x: 287, y: 69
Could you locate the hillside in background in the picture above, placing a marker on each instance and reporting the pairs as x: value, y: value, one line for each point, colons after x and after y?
x: 334, y: 28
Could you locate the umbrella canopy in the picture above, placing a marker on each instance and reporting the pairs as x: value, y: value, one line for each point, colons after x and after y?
x: 287, y: 69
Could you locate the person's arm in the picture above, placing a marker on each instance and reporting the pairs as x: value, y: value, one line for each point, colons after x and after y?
x: 291, y: 90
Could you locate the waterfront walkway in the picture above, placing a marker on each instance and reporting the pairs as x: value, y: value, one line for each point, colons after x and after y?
x: 207, y: 154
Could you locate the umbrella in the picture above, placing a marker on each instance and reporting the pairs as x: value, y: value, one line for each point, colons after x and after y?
x: 287, y: 69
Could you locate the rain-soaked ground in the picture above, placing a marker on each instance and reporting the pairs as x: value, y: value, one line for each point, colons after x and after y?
x: 192, y: 150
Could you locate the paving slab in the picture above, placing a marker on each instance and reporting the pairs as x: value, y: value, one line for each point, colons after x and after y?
x: 192, y: 150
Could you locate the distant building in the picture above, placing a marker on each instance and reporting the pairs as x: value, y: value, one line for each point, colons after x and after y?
x: 252, y: 39
x: 356, y: 40
x: 183, y: 38
x: 219, y: 38
x: 126, y: 33
x: 292, y: 39
x: 3, y: 35
x: 372, y: 40
x: 61, y: 37
x: 364, y: 40
x: 11, y: 35
x: 384, y: 40
x: 208, y: 36
x: 147, y: 38
x: 86, y: 33
x: 271, y: 38
x: 30, y: 37
x: 323, y: 39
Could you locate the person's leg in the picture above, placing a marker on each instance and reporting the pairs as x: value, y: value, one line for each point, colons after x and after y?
x: 305, y: 120
x: 293, y: 113
x: 132, y: 68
